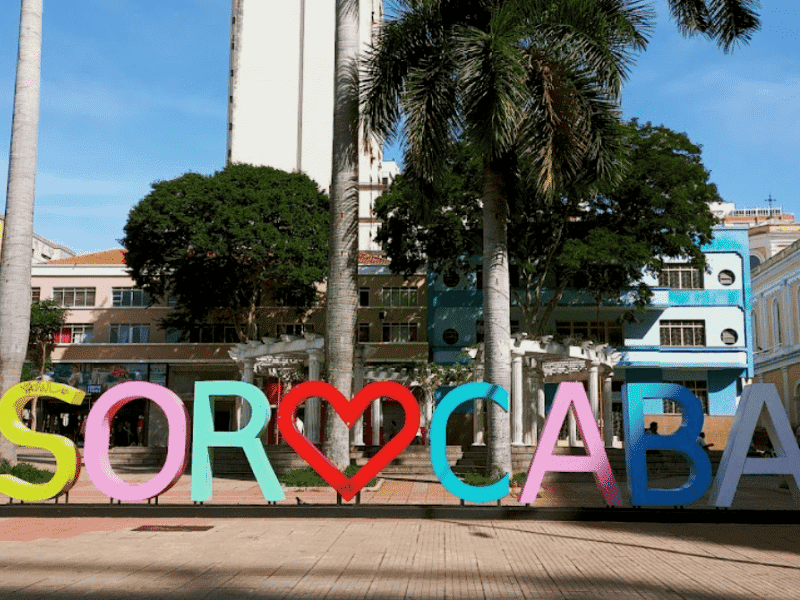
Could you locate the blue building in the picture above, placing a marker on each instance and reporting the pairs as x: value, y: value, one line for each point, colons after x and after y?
x: 695, y: 332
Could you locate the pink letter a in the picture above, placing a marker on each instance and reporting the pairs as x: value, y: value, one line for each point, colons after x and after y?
x: 596, y: 459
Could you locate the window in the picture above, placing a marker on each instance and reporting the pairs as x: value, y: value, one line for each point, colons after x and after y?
x: 363, y: 332
x: 363, y: 296
x: 450, y: 337
x: 36, y: 294
x: 480, y: 336
x: 798, y: 307
x: 681, y: 276
x: 124, y: 333
x: 129, y: 297
x: 400, y: 296
x: 74, y: 296
x: 74, y: 334
x: 698, y: 388
x: 451, y: 279
x: 205, y: 334
x: 606, y: 332
x: 776, y: 323
x: 399, y: 332
x: 726, y: 277
x: 683, y: 333
x: 513, y: 276
x: 295, y: 328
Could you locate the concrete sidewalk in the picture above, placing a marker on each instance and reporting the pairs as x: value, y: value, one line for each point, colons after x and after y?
x: 349, y: 559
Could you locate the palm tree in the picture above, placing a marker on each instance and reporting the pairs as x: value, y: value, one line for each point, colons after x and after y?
x: 15, y: 266
x: 519, y: 81
x: 342, y: 285
x: 533, y: 86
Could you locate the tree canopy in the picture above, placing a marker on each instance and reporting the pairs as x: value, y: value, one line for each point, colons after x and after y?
x: 220, y: 246
x: 599, y: 239
x: 47, y: 319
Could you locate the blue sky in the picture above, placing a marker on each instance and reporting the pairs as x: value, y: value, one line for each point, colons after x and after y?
x: 134, y: 91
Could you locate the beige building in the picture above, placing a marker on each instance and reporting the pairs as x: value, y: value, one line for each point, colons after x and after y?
x: 768, y: 239
x: 113, y: 335
x: 776, y: 324
x: 770, y: 229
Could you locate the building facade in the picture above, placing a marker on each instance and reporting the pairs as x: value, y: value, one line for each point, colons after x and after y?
x: 776, y: 323
x: 696, y: 332
x: 113, y: 334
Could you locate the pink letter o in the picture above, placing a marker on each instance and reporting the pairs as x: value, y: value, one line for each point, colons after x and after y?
x: 98, y: 429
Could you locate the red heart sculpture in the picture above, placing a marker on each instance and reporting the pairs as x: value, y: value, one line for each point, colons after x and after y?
x: 350, y: 411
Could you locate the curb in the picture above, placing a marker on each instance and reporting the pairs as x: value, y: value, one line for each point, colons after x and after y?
x: 388, y: 511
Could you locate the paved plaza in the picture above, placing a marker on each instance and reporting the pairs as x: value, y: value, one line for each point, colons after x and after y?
x: 346, y: 559
x: 170, y: 552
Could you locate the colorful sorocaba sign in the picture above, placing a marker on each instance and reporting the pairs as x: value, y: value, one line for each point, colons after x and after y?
x: 204, y: 438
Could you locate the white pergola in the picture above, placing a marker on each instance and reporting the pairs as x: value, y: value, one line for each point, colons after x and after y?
x: 282, y: 356
x: 532, y: 363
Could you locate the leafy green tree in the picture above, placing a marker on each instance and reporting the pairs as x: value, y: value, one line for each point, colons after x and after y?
x: 601, y: 242
x: 223, y: 245
x: 47, y: 319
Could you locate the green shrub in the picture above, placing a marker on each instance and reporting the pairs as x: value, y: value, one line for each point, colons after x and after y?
x: 308, y: 477
x: 26, y: 472
x: 475, y: 478
x: 519, y: 477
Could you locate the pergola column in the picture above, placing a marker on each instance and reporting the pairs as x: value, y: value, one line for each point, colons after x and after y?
x: 478, y: 433
x: 357, y: 432
x: 427, y: 414
x: 312, y: 421
x: 573, y: 429
x: 377, y: 419
x: 243, y: 409
x: 517, y: 398
x: 594, y: 391
x: 536, y: 411
x: 608, y: 413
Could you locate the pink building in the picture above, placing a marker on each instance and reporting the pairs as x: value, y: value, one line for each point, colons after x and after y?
x: 113, y: 335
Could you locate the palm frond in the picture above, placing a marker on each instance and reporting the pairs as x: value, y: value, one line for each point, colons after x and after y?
x: 691, y: 16
x: 491, y: 79
x: 733, y: 21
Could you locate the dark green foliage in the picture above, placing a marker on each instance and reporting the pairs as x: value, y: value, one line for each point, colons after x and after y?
x: 600, y: 239
x: 25, y: 472
x: 520, y: 477
x: 47, y: 319
x: 308, y: 477
x: 224, y: 244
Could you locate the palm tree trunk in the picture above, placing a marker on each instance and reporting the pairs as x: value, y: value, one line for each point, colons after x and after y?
x: 342, y: 286
x: 497, y: 316
x: 15, y: 266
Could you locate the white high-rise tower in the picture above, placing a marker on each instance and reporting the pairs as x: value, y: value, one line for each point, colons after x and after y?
x: 280, y: 108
